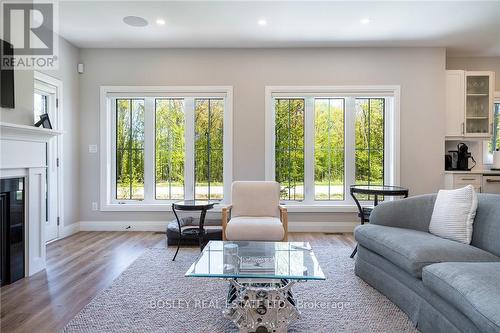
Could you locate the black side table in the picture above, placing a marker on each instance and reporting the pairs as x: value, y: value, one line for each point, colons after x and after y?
x: 375, y: 190
x: 195, y: 232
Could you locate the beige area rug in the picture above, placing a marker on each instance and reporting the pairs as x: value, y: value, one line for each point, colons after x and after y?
x: 153, y: 295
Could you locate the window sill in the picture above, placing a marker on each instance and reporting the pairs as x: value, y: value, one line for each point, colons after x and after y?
x: 320, y: 208
x: 291, y: 207
x: 147, y: 207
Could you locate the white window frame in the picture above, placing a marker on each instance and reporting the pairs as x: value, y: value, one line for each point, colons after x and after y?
x: 391, y: 145
x: 108, y: 94
x: 487, y: 156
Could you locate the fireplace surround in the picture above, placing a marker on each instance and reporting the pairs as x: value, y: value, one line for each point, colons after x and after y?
x: 23, y: 156
x: 12, y: 230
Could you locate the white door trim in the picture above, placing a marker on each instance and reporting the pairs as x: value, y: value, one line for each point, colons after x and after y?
x: 58, y: 125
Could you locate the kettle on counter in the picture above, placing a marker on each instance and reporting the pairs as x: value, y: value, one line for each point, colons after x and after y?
x: 496, y: 160
x: 463, y: 157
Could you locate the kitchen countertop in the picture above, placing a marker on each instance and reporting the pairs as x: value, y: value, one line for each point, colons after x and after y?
x: 474, y: 172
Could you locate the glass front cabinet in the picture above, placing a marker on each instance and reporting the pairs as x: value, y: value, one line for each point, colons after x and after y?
x: 469, y: 104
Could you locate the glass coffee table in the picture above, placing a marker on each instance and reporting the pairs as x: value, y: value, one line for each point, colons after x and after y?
x: 260, y: 275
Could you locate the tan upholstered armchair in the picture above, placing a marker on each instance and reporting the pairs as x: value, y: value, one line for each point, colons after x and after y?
x: 255, y: 213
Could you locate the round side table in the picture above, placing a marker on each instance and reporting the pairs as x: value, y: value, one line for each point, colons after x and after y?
x: 375, y: 190
x: 194, y: 232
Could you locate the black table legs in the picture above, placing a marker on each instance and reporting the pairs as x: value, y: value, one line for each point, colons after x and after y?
x: 354, y: 252
x: 180, y: 233
x: 361, y: 216
x: 200, y: 231
x: 364, y: 213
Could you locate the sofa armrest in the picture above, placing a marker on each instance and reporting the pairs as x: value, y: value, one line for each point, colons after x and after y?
x: 411, y: 213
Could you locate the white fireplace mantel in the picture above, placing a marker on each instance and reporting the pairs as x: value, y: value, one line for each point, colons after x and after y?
x: 10, y: 131
x: 23, y: 146
x: 23, y: 152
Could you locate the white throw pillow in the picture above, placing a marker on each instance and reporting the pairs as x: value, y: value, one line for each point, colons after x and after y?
x: 454, y: 213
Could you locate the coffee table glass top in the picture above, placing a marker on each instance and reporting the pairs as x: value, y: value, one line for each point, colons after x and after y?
x: 258, y: 260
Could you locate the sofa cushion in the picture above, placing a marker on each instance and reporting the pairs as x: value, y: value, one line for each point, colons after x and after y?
x: 411, y: 250
x: 473, y: 288
x: 255, y: 229
x: 454, y: 213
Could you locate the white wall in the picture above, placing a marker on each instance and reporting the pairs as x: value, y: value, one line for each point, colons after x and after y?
x: 419, y: 71
x: 23, y: 114
x: 476, y: 64
x: 23, y: 90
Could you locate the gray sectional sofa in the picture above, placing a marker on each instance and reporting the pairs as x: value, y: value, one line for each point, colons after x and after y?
x: 442, y: 285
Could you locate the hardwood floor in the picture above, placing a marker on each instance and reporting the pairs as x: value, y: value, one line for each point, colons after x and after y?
x: 81, y: 265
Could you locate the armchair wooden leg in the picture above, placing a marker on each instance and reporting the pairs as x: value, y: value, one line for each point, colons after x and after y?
x: 225, y: 215
x: 284, y: 222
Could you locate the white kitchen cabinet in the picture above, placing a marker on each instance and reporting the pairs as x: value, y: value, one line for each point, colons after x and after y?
x: 484, y: 181
x: 469, y: 104
x: 479, y: 96
x: 458, y: 180
x: 455, y: 103
x: 491, y: 184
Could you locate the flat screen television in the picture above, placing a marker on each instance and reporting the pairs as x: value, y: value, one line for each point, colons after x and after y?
x: 7, y: 96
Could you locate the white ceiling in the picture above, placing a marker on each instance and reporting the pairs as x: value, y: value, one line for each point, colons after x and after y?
x: 463, y: 27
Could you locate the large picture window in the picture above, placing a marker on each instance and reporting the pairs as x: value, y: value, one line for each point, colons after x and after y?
x: 169, y: 149
x: 329, y: 148
x: 323, y: 141
x: 130, y: 149
x: 494, y: 144
x: 164, y: 146
x: 289, y: 147
x: 209, y: 120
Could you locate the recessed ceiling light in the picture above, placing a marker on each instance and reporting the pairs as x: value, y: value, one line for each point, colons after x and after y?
x: 160, y: 21
x: 135, y: 21
x: 262, y: 22
x: 365, y: 20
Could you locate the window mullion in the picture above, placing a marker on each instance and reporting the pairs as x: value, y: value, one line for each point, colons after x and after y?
x: 149, y: 149
x: 309, y: 150
x: 112, y: 140
x: 271, y: 139
x: 227, y: 151
x: 189, y: 137
x: 388, y: 144
x: 350, y: 146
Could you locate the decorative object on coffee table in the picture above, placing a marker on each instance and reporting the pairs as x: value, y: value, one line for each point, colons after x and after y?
x: 261, y: 276
x: 195, y: 232
x: 375, y: 190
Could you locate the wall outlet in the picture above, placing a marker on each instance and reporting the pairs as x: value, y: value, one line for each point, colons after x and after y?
x: 94, y: 206
x: 92, y: 149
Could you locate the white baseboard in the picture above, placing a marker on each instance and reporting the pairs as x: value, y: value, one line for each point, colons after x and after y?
x: 123, y: 225
x: 68, y: 230
x: 35, y: 266
x: 162, y: 225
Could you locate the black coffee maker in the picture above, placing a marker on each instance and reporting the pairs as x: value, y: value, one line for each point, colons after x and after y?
x: 463, y: 157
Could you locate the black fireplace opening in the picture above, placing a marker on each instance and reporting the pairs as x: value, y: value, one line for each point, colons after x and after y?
x: 12, y: 230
